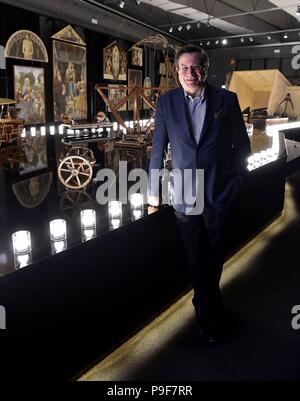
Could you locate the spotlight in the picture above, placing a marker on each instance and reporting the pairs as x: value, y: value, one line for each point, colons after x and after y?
x: 180, y: 28
x: 138, y: 2
x: 171, y: 29
x: 208, y: 24
x: 200, y: 44
x: 269, y: 37
x: 188, y: 27
x: 122, y: 4
x: 298, y: 10
x: 217, y: 41
x: 198, y: 25
x: 285, y: 35
x: 242, y: 40
x: 224, y: 42
x: 251, y: 39
x: 208, y: 43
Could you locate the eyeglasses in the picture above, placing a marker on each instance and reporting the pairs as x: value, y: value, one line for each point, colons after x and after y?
x: 196, y: 68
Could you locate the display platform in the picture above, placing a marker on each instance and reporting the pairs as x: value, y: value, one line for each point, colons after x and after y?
x: 68, y: 307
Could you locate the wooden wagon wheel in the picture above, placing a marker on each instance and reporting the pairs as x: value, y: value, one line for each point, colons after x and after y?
x: 84, y: 152
x: 75, y: 172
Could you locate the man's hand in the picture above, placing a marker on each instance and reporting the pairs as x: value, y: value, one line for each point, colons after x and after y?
x: 153, y: 201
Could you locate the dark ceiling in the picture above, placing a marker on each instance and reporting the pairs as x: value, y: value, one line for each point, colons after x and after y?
x: 242, y: 22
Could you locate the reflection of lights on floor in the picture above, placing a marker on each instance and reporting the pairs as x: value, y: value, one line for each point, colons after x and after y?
x: 137, y: 213
x: 114, y: 223
x: 22, y: 260
x: 88, y: 234
x: 259, y: 159
x: 58, y: 246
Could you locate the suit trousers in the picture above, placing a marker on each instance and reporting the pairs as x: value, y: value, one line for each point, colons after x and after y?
x: 203, y: 243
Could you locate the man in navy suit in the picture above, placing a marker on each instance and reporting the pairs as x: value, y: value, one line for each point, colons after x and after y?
x: 206, y: 131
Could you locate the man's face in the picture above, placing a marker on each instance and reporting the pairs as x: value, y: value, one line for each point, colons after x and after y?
x: 190, y: 73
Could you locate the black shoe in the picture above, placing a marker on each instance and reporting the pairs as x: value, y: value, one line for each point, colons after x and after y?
x: 201, y: 326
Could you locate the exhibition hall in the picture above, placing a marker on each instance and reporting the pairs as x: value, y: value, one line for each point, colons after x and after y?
x: 149, y: 191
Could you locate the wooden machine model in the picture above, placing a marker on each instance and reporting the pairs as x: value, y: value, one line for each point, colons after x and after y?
x: 136, y: 140
x: 10, y: 134
x: 75, y: 170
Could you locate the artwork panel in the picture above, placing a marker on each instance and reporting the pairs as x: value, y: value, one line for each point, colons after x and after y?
x: 29, y: 93
x: 115, y: 95
x: 114, y: 62
x: 137, y: 56
x: 134, y: 79
x: 69, y: 81
x: 26, y: 45
x: 147, y: 92
x: 68, y: 34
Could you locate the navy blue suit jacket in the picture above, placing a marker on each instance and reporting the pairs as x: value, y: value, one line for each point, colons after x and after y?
x: 222, y: 151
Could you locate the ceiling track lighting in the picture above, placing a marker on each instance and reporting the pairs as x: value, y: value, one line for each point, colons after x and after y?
x: 180, y: 28
x: 171, y: 29
x: 285, y: 36
x: 138, y: 2
x: 122, y: 4
x: 188, y: 27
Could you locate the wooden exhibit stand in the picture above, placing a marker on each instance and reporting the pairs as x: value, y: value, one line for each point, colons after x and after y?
x: 259, y: 89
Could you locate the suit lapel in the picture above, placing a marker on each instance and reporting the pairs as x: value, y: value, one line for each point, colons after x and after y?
x: 211, y: 104
x: 183, y: 114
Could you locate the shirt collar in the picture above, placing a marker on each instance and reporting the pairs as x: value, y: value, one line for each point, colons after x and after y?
x: 201, y: 97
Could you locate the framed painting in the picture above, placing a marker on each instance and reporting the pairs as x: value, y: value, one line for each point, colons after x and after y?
x: 134, y: 79
x: 29, y: 92
x: 115, y: 94
x: 137, y: 56
x: 147, y: 92
x: 114, y: 62
x: 69, y: 81
x: 26, y: 45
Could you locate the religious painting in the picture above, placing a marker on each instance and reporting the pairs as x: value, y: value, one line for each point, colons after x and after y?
x: 29, y: 92
x: 26, y: 45
x: 114, y: 62
x: 69, y: 81
x: 134, y: 79
x: 137, y: 56
x: 68, y: 34
x: 35, y: 152
x: 147, y: 92
x: 115, y: 94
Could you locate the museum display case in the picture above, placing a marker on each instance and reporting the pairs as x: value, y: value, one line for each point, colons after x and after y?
x: 73, y: 295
